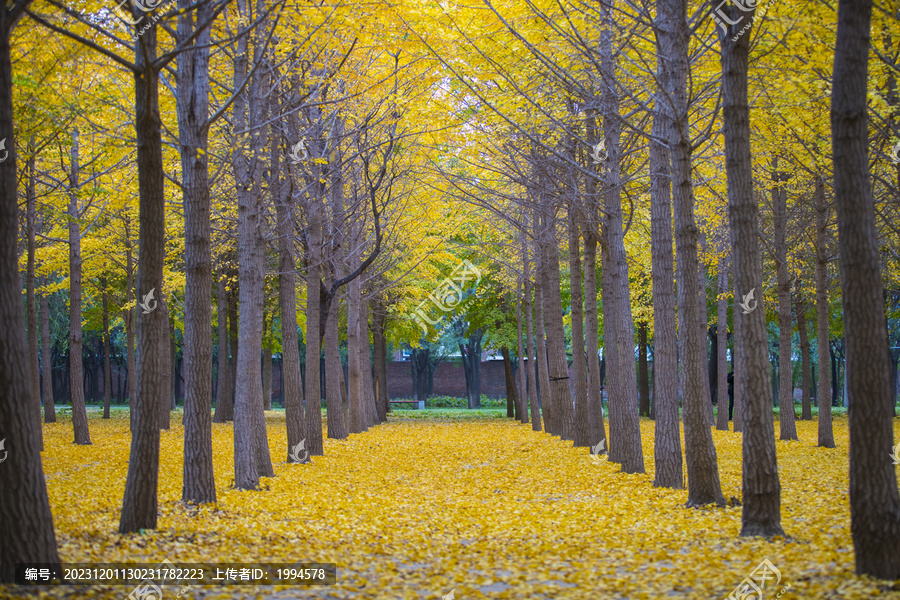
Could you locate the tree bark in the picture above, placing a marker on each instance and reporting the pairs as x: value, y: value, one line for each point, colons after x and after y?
x: 722, y: 348
x: 643, y: 371
x: 130, y: 318
x: 823, y: 345
x: 76, y: 366
x: 165, y: 399
x: 47, y: 361
x: 874, y: 499
x: 192, y: 107
x: 581, y: 416
x: 224, y: 402
x: 531, y: 376
x: 139, y: 506
x: 805, y: 360
x: 667, y: 441
x: 107, y: 375
x: 624, y: 415
x: 521, y: 373
x: 785, y: 381
x: 26, y: 523
x: 379, y: 342
x: 700, y: 453
x: 546, y: 400
x: 761, y: 511
x: 512, y: 395
x: 31, y: 309
x: 597, y: 432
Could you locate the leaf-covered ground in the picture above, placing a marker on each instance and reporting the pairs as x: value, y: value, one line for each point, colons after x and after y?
x: 418, y: 507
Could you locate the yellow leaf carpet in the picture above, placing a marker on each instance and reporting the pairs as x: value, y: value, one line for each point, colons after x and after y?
x: 483, y: 507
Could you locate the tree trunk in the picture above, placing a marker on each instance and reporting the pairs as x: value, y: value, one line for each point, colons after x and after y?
x: 874, y: 499
x: 47, y: 361
x: 785, y: 381
x: 354, y: 356
x: 761, y: 511
x: 380, y: 356
x: 31, y: 309
x: 541, y: 345
x: 823, y: 345
x: 597, y: 431
x: 313, y: 391
x: 722, y: 348
x: 521, y: 373
x: 419, y: 366
x: 667, y: 441
x: 581, y: 425
x: 26, y: 523
x: 700, y: 453
x: 107, y: 374
x: 624, y: 414
x: 139, y: 506
x: 165, y: 399
x: 643, y: 371
x: 251, y: 452
x: 266, y: 366
x: 130, y: 318
x: 367, y: 385
x: 76, y: 367
x: 192, y: 106
x: 512, y: 395
x: 224, y: 401
x: 805, y: 360
x: 531, y: 375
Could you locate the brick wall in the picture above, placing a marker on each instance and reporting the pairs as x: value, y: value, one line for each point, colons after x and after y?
x: 449, y: 379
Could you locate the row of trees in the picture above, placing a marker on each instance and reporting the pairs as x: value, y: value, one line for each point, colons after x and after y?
x: 307, y: 178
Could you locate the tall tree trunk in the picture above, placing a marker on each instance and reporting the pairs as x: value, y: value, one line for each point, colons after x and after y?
x: 31, y: 309
x: 785, y: 381
x: 367, y: 385
x: 47, y: 361
x: 521, y: 373
x: 139, y: 506
x: 192, y: 106
x: 291, y: 384
x: 700, y: 453
x: 643, y: 371
x: 597, y: 432
x: 625, y: 445
x: 736, y: 362
x: 805, y: 360
x: 26, y: 523
x: 512, y: 395
x: 874, y: 499
x: 251, y: 451
x: 313, y: 392
x: 722, y: 347
x: 556, y: 351
x: 379, y: 342
x: 531, y: 376
x: 224, y: 401
x: 107, y: 374
x: 354, y: 356
x: 761, y: 512
x: 165, y: 399
x: 582, y: 432
x: 130, y: 318
x: 266, y: 367
x: 76, y: 367
x: 823, y: 345
x: 541, y: 344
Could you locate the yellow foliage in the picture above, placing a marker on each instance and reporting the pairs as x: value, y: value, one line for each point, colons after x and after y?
x: 414, y: 508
